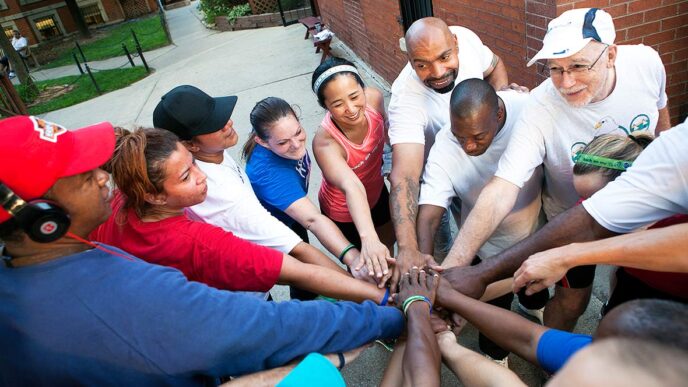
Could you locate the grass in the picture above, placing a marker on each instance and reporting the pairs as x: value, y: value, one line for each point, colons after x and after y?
x: 108, y: 80
x: 148, y: 30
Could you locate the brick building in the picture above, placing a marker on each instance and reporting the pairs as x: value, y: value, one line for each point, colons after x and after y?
x: 514, y: 29
x: 43, y: 20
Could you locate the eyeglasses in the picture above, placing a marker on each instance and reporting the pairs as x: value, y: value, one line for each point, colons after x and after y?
x: 577, y: 68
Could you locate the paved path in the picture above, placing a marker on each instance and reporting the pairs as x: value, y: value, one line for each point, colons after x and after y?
x: 253, y: 65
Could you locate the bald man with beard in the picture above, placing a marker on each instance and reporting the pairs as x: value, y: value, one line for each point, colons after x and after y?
x: 439, y: 58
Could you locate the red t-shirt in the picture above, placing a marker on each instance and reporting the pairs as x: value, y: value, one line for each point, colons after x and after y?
x: 203, y: 252
x: 675, y: 284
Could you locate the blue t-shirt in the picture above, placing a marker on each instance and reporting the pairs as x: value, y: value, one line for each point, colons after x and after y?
x: 94, y: 318
x: 278, y: 182
x: 556, y: 347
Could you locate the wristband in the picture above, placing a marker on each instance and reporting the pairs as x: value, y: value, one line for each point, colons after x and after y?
x: 342, y: 362
x: 413, y: 299
x: 346, y: 250
x: 385, y: 298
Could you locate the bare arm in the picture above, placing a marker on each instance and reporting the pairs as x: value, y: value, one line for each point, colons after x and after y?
x: 429, y: 218
x: 663, y: 121
x: 310, y: 217
x: 472, y: 369
x: 327, y: 282
x: 421, y: 364
x: 331, y: 158
x: 662, y: 249
x: 306, y: 253
x: 507, y: 329
x: 574, y: 225
x: 493, y: 205
x: 496, y: 74
x: 407, y: 164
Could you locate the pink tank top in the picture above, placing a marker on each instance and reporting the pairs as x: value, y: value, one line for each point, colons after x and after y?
x: 364, y: 159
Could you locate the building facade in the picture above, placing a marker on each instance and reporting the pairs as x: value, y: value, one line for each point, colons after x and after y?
x: 44, y: 20
x: 513, y: 29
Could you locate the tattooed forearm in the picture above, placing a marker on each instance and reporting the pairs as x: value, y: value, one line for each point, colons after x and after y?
x: 404, y: 202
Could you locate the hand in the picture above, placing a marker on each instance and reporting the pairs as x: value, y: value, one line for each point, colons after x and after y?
x: 408, y: 258
x: 541, y: 270
x: 438, y: 324
x: 362, y: 274
x: 466, y: 280
x: 514, y: 86
x: 417, y: 283
x: 375, y: 256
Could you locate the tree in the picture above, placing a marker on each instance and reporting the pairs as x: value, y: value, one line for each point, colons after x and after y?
x: 78, y: 17
x: 17, y: 64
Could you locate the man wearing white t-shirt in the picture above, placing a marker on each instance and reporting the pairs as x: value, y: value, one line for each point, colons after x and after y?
x: 439, y: 57
x: 594, y: 88
x: 462, y: 160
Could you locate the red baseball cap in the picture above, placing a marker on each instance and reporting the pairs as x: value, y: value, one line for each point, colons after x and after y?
x: 35, y: 153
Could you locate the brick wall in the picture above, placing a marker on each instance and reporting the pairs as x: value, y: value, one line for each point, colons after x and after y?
x: 370, y: 28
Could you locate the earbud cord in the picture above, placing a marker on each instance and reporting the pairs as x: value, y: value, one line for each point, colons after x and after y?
x: 99, y: 247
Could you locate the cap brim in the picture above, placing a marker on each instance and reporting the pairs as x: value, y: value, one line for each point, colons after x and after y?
x: 224, y: 106
x: 92, y: 147
x: 554, y: 49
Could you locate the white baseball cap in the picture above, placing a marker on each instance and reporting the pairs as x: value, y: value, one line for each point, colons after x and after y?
x: 572, y: 30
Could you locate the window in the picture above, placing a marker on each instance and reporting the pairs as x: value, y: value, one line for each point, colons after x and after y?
x: 92, y: 14
x: 47, y: 27
x: 412, y: 10
x: 8, y: 32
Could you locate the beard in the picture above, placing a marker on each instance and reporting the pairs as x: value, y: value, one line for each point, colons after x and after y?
x: 453, y: 74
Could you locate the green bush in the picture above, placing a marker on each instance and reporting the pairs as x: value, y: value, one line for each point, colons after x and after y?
x: 230, y: 8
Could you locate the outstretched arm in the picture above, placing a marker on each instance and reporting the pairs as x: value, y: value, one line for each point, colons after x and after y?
x: 407, y: 164
x: 573, y: 225
x: 662, y: 249
x: 507, y: 329
x: 429, y: 219
x: 421, y: 362
x: 310, y: 217
x: 331, y: 158
x: 473, y: 369
x: 493, y: 205
x: 306, y: 253
x: 327, y: 282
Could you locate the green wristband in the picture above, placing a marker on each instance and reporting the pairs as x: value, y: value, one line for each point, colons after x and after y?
x: 411, y: 300
x: 346, y: 250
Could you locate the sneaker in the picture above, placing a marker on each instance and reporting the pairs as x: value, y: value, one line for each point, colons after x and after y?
x: 12, y: 74
x: 535, y: 313
x: 502, y: 362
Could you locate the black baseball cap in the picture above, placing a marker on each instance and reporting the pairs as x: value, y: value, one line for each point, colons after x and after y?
x: 187, y: 112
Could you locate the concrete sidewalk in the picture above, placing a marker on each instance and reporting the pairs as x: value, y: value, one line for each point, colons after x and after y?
x: 255, y: 64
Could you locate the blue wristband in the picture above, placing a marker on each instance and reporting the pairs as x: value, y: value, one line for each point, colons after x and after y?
x: 385, y: 298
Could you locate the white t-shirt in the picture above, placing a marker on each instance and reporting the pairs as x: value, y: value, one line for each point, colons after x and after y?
x: 19, y: 44
x: 654, y: 188
x: 417, y: 112
x: 550, y: 131
x: 450, y: 172
x: 232, y: 205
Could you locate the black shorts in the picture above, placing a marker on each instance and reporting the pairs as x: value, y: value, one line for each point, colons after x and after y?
x: 379, y: 213
x: 579, y: 277
x: 630, y: 288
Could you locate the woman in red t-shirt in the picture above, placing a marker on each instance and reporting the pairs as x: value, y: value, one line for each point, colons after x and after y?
x: 157, y: 179
x: 348, y: 147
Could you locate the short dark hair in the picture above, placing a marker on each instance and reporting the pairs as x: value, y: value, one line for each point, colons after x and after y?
x: 472, y: 95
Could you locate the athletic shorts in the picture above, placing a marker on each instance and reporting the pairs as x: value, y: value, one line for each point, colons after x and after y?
x: 578, y: 277
x: 379, y: 213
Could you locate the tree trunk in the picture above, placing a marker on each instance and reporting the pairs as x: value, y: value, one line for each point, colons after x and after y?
x: 78, y: 17
x: 17, y: 64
